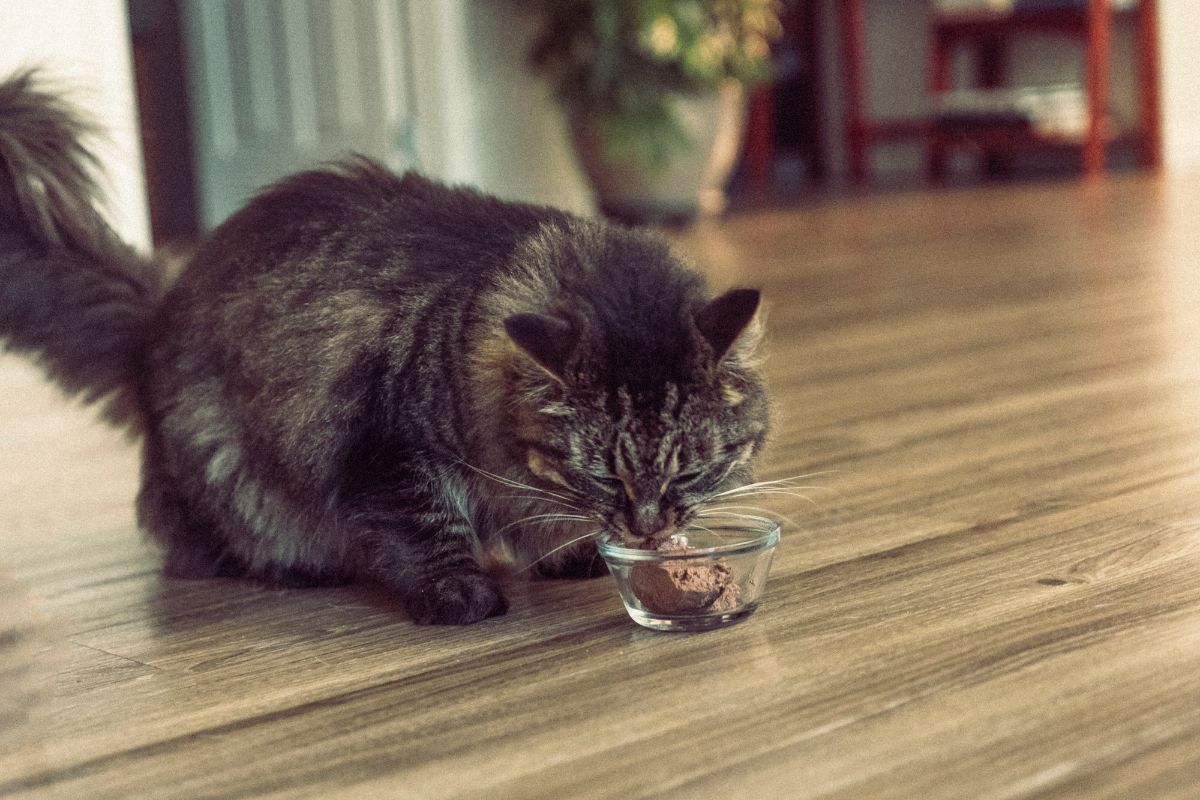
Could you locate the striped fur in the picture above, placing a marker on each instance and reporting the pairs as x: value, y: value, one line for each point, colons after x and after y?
x: 368, y: 376
x: 73, y: 296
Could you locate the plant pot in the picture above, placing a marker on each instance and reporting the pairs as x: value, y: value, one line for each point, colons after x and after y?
x: 692, y: 182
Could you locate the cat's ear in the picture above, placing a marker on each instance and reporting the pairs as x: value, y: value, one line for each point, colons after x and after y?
x: 724, y: 319
x: 548, y: 340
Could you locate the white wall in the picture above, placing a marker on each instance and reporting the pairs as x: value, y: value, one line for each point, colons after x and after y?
x: 84, y: 46
x: 483, y: 117
x: 1179, y: 48
x: 521, y: 147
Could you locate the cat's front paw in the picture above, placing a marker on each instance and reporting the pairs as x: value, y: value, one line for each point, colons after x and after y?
x: 458, y: 598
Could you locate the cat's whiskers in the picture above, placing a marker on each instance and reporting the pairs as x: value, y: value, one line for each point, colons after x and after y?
x: 782, y: 483
x: 554, y: 550
x: 756, y: 489
x: 710, y: 531
x: 783, y: 487
x: 748, y: 517
x: 548, y: 518
x: 513, y: 484
x: 814, y: 474
x: 788, y: 486
x: 758, y: 492
x: 541, y: 500
x: 729, y: 509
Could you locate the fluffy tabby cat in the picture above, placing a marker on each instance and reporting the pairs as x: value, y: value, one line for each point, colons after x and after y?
x: 367, y: 376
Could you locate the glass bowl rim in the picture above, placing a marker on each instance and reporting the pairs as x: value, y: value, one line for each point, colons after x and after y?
x: 763, y: 532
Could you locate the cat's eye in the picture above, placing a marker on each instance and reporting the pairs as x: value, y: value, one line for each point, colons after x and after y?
x: 737, y: 447
x: 683, y: 481
x: 609, y: 482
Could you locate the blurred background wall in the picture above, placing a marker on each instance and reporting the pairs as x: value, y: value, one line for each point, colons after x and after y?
x: 447, y: 87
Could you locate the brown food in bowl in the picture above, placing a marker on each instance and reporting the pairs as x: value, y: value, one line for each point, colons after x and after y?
x: 674, y: 587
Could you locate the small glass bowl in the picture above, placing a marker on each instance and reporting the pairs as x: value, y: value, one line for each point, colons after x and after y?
x: 705, y: 577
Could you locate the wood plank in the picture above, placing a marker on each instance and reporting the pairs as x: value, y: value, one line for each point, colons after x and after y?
x: 995, y: 593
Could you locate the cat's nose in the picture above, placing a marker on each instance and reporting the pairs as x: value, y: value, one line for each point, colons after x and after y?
x: 648, y: 519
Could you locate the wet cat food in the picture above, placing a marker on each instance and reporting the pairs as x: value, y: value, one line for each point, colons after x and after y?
x: 674, y: 587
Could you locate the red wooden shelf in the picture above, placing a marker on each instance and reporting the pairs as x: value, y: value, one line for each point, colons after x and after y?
x: 1020, y: 138
x: 988, y: 32
x: 1066, y: 20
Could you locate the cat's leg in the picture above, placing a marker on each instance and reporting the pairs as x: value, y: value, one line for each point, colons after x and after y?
x: 427, y: 557
x: 582, y: 560
x: 418, y: 542
x: 192, y: 546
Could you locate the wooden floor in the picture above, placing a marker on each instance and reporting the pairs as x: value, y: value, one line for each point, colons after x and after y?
x: 998, y: 598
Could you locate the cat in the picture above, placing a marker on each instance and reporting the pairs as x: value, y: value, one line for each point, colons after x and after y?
x: 369, y: 376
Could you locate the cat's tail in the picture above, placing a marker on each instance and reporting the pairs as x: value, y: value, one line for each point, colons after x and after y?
x: 72, y: 294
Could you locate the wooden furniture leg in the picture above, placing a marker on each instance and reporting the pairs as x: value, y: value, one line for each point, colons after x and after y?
x: 939, y: 81
x: 993, y: 74
x: 1099, y: 25
x: 811, y: 22
x: 850, y: 24
x: 1150, y: 119
x: 759, y: 151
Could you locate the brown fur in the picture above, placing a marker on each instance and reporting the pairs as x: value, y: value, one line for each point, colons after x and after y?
x: 369, y: 376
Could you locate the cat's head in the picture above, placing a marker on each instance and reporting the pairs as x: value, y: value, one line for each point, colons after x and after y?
x: 640, y: 400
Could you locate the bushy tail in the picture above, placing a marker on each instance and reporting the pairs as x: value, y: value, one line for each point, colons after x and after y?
x: 72, y: 294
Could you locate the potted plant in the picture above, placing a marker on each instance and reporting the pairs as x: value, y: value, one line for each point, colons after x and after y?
x: 654, y: 94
